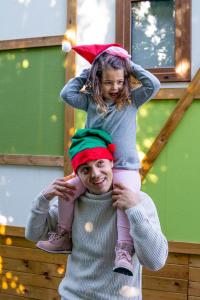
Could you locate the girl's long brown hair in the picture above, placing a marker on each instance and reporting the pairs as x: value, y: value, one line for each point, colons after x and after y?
x: 93, y: 83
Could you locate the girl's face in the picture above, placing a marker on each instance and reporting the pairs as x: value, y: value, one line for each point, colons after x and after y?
x: 112, y: 83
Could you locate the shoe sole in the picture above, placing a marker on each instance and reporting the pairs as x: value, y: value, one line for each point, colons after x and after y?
x: 123, y: 271
x: 56, y: 252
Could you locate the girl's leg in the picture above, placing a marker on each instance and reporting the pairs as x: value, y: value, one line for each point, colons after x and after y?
x: 61, y: 240
x: 131, y: 179
x: 125, y: 246
x: 66, y: 207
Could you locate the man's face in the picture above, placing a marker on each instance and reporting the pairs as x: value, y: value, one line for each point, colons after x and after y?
x: 97, y: 175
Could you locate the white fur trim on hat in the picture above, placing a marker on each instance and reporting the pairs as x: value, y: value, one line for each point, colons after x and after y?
x: 66, y: 46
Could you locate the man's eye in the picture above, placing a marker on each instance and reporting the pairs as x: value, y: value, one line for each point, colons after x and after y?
x: 84, y: 170
x: 100, y: 163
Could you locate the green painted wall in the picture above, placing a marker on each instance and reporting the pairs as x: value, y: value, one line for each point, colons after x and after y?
x: 31, y: 114
x: 173, y: 181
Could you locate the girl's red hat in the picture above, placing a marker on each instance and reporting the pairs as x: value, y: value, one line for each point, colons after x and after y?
x: 91, y: 52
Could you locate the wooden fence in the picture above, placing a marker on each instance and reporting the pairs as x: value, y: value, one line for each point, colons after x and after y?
x: 29, y: 273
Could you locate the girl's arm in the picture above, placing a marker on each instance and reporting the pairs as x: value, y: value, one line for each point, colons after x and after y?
x: 150, y: 85
x: 150, y: 244
x: 71, y: 93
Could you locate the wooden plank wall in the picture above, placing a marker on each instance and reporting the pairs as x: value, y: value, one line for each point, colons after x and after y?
x: 29, y: 273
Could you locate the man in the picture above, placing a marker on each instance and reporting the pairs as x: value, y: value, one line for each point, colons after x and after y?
x: 89, y: 269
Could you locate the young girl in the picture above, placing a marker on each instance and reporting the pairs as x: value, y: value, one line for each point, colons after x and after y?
x: 111, y: 103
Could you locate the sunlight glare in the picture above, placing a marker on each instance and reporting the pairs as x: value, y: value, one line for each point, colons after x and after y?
x: 60, y: 270
x: 70, y: 36
x: 143, y: 112
x: 128, y: 291
x: 53, y: 118
x: 8, y: 241
x: 25, y: 64
x: 182, y: 68
x: 153, y: 178
x: 71, y: 131
x: 88, y: 227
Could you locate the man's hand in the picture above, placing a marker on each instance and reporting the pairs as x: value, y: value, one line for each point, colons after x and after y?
x: 59, y: 187
x: 123, y: 197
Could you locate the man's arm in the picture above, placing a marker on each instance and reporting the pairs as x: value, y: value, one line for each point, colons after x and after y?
x: 150, y: 244
x: 42, y: 219
x: 44, y: 215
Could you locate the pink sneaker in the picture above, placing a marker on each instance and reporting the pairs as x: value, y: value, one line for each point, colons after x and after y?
x: 58, y: 242
x: 123, y: 259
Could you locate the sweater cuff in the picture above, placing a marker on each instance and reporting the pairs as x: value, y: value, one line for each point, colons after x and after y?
x: 136, y: 214
x: 41, y: 203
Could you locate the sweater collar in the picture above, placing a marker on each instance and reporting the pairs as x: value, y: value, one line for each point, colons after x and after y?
x: 107, y: 196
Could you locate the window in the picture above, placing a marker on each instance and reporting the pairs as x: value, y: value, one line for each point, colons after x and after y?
x: 157, y: 34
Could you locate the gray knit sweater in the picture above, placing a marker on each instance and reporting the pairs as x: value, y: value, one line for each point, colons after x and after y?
x: 89, y: 274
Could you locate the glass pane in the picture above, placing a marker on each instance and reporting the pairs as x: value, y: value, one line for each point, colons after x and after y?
x: 153, y: 33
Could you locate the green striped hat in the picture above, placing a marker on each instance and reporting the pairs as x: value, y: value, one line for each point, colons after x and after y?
x: 90, y: 144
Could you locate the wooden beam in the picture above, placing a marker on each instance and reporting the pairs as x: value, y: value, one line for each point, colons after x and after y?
x: 172, y: 94
x: 171, y: 124
x: 45, y: 41
x: 70, y: 72
x: 183, y: 247
x: 32, y: 160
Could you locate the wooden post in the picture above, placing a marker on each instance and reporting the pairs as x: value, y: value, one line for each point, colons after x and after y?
x: 70, y: 72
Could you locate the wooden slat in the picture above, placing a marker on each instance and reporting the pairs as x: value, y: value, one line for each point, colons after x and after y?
x: 33, y: 267
x: 10, y: 240
x: 170, y: 271
x: 13, y: 297
x: 12, y: 230
x: 157, y: 295
x: 171, y: 124
x: 43, y: 281
x: 172, y: 94
x: 165, y: 284
x: 70, y: 72
x: 193, y: 298
x: 177, y: 258
x: 194, y: 260
x: 194, y: 288
x: 45, y: 41
x: 32, y: 254
x: 182, y: 247
x: 32, y: 160
x: 31, y: 292
x: 194, y: 274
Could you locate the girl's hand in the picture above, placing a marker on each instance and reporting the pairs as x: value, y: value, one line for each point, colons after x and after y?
x: 59, y: 187
x: 123, y: 197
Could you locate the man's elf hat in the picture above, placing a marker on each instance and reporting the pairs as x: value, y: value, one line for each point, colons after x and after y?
x: 90, y: 144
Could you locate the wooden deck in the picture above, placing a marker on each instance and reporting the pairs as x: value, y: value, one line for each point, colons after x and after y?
x: 28, y: 273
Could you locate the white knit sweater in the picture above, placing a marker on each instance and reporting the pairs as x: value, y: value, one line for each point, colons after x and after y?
x: 89, y: 274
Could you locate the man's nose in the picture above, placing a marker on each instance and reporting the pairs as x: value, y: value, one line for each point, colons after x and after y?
x: 95, y: 172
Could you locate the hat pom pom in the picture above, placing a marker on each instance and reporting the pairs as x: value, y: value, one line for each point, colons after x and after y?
x: 66, y: 46
x: 111, y: 147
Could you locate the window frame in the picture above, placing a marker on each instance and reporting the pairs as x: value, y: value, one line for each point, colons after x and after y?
x: 182, y: 42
